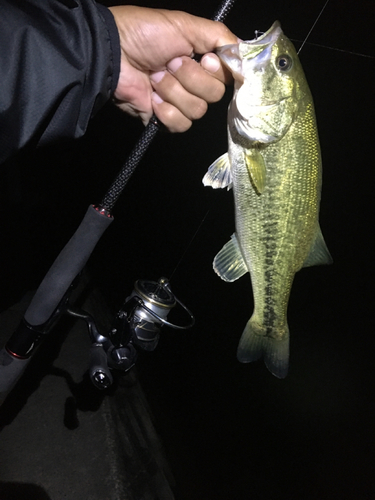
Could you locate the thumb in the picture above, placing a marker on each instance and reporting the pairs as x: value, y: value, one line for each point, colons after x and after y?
x: 205, y: 35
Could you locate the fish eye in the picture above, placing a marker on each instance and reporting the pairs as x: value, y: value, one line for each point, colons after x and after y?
x: 284, y: 63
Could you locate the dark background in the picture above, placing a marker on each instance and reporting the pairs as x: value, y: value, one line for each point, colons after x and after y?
x: 232, y: 430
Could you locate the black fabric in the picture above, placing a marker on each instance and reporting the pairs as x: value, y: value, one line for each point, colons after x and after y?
x: 60, y: 62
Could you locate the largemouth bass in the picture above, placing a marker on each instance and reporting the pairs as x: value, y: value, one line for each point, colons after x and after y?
x: 274, y: 166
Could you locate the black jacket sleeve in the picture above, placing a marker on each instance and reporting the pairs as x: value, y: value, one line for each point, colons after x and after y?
x: 59, y: 63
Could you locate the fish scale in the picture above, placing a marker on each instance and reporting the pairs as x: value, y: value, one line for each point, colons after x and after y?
x: 274, y: 167
x: 274, y: 217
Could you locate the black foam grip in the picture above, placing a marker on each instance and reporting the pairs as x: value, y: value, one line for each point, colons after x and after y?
x: 68, y: 264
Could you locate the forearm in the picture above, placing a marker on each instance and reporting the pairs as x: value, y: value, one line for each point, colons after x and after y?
x: 59, y: 64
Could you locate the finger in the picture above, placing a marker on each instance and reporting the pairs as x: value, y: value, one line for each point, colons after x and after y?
x: 195, y: 79
x: 169, y: 115
x: 171, y: 91
x: 212, y: 64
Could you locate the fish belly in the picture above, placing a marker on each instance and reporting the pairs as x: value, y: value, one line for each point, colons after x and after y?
x: 275, y: 231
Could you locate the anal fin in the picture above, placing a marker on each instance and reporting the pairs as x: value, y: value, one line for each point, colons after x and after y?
x: 319, y: 253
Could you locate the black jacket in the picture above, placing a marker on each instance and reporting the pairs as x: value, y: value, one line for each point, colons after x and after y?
x: 59, y: 63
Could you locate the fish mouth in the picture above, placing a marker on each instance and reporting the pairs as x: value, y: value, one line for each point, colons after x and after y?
x: 235, y: 49
x: 249, y: 52
x: 270, y: 36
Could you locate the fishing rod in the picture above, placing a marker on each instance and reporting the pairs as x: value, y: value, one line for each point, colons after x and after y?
x: 137, y: 324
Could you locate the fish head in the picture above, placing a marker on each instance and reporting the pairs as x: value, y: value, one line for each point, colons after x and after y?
x: 269, y: 84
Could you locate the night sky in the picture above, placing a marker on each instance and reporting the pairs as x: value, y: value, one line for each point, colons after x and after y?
x: 232, y: 431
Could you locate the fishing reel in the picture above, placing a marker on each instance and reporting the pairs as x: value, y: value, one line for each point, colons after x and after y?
x: 136, y: 327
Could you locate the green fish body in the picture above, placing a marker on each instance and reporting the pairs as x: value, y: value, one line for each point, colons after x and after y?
x: 274, y: 166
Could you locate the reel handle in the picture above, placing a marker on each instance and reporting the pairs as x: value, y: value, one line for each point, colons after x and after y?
x: 99, y: 372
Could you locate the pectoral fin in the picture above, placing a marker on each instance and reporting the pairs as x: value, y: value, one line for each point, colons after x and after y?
x: 218, y: 174
x: 257, y: 169
x: 229, y: 263
x: 319, y: 253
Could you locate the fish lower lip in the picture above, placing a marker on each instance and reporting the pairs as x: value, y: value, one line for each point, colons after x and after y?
x: 262, y: 108
x: 256, y: 110
x: 275, y: 103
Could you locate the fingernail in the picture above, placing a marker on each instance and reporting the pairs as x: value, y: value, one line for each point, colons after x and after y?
x: 157, y: 77
x: 210, y: 63
x: 156, y: 98
x: 174, y: 64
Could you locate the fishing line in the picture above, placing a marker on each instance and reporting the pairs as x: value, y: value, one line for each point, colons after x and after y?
x: 335, y: 48
x: 189, y: 244
x: 313, y: 26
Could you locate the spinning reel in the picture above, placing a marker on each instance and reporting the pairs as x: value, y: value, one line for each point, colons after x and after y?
x: 136, y: 327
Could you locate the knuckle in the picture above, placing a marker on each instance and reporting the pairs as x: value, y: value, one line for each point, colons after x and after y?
x: 181, y: 127
x: 198, y: 110
x: 217, y: 92
x: 174, y: 120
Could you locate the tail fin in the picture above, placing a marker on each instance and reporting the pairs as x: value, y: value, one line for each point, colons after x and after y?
x: 254, y: 344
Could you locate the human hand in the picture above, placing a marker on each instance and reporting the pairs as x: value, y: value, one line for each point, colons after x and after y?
x: 157, y: 73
